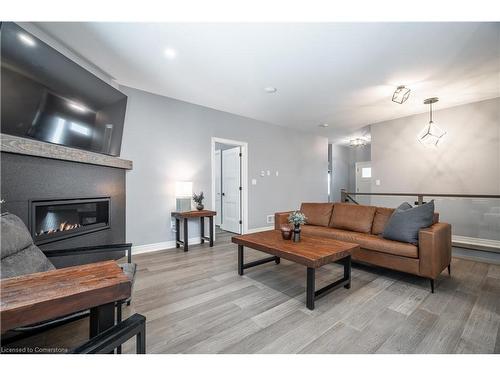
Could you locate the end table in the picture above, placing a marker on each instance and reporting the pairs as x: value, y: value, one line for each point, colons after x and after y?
x: 184, y: 216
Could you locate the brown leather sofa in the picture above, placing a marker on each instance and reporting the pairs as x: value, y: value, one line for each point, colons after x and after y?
x: 364, y: 225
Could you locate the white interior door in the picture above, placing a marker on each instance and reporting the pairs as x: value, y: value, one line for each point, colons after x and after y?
x: 218, y: 187
x: 231, y: 193
x: 363, y: 181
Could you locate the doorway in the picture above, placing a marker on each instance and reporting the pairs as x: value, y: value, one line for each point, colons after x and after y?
x: 363, y: 181
x: 229, y: 185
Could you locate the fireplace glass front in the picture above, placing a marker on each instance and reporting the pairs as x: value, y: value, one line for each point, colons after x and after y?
x: 57, y: 219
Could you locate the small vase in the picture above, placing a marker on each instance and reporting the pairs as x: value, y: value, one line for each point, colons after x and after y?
x: 286, y: 232
x: 296, y: 233
x: 200, y: 206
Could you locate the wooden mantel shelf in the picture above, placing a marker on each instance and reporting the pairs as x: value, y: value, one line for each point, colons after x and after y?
x: 31, y: 147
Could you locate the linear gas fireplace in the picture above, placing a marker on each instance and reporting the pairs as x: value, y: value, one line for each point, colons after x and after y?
x: 54, y: 220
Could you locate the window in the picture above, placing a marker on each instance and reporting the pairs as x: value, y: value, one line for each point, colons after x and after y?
x: 366, y: 172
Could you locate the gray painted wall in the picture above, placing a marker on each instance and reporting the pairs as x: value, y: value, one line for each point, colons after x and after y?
x: 170, y: 140
x: 467, y: 162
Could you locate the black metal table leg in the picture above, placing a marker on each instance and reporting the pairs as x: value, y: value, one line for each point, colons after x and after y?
x: 310, y: 288
x: 202, y: 229
x: 141, y: 340
x: 177, y: 233
x: 101, y: 318
x: 185, y: 234
x: 347, y: 272
x: 240, y: 260
x: 211, y: 222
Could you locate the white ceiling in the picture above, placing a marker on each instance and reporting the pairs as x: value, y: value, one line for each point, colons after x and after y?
x: 342, y: 74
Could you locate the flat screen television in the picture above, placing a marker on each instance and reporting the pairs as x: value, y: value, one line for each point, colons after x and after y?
x: 48, y: 97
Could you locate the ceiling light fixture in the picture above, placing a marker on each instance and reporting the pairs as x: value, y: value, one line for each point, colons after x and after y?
x: 358, y: 142
x: 270, y: 89
x: 78, y: 107
x: 26, y: 39
x: 323, y: 125
x: 431, y: 134
x: 401, y: 94
x: 170, y: 53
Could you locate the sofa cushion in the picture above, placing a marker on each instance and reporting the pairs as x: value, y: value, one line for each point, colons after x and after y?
x: 24, y: 262
x: 352, y: 217
x: 336, y: 234
x: 14, y: 235
x: 382, y: 245
x: 19, y: 255
x: 382, y: 216
x: 364, y: 240
x: 317, y: 213
x: 405, y: 223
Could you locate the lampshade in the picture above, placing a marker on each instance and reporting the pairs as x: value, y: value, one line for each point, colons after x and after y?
x: 183, y: 189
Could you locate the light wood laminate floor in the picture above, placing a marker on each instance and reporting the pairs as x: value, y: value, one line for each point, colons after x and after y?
x: 195, y: 302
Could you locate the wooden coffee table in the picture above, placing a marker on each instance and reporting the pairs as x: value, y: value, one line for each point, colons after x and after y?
x: 35, y: 298
x: 312, y: 252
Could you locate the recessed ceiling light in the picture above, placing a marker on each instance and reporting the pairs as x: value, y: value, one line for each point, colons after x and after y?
x: 323, y: 125
x: 26, y: 39
x: 270, y: 89
x: 170, y: 53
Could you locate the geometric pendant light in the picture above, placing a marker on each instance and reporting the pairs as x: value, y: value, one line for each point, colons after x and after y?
x: 401, y: 94
x: 431, y: 134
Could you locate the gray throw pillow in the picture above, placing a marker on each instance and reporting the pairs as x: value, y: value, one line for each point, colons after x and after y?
x: 406, y: 221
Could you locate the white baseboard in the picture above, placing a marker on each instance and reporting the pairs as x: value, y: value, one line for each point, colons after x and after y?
x: 261, y: 229
x: 141, y: 249
x: 148, y: 248
x: 476, y: 243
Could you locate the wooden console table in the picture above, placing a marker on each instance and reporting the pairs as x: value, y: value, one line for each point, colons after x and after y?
x: 184, y: 216
x: 35, y: 298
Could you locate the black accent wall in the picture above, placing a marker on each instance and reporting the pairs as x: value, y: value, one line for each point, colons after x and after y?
x: 25, y: 178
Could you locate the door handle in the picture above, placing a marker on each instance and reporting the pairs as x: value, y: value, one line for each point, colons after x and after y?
x: 223, y: 194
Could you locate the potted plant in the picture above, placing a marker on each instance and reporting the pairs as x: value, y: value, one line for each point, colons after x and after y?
x: 198, y: 199
x: 296, y: 218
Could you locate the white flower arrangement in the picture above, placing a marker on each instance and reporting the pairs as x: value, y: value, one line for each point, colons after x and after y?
x: 297, y: 218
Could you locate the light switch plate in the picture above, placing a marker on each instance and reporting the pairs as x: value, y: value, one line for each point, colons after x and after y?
x: 270, y: 219
x: 277, y: 173
x: 254, y: 181
x: 262, y: 173
x: 377, y: 182
x: 268, y: 172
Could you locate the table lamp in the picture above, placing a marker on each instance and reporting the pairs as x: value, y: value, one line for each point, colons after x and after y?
x: 183, y: 195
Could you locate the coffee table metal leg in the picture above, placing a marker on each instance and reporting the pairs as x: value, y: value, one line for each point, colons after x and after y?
x: 101, y: 318
x: 347, y: 272
x: 277, y: 260
x: 240, y: 260
x: 310, y: 288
